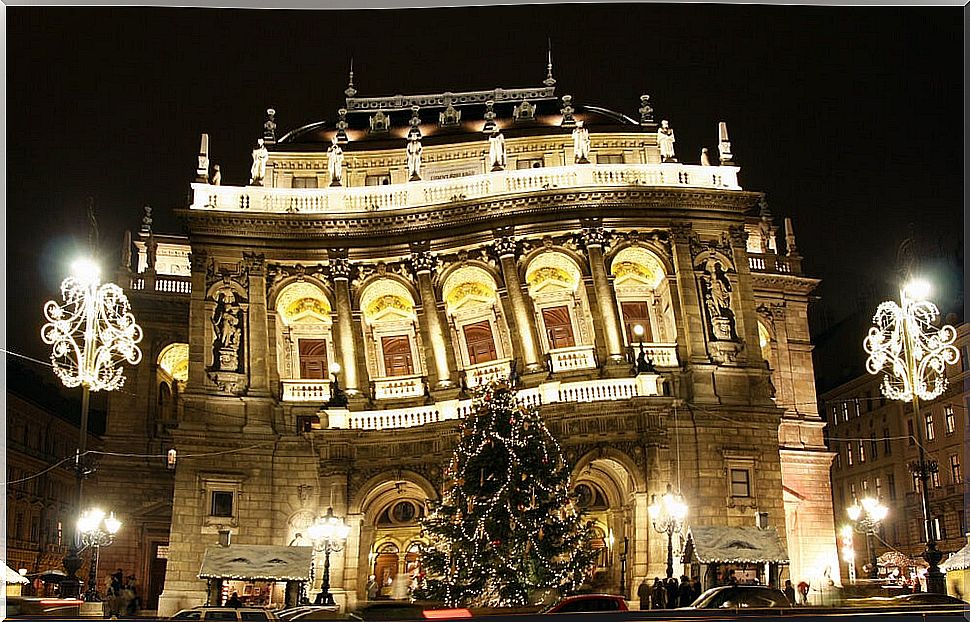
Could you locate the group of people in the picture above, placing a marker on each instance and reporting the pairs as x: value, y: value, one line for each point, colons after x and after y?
x: 668, y: 594
x: 122, y: 595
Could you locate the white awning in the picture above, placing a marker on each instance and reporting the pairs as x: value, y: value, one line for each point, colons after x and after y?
x: 719, y: 544
x: 958, y: 561
x: 12, y: 576
x: 255, y: 562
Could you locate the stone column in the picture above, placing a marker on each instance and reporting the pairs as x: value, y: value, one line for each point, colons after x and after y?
x: 345, y: 350
x: 423, y: 263
x: 595, y: 239
x: 522, y: 315
x: 691, y: 324
x: 198, y: 322
x: 258, y: 326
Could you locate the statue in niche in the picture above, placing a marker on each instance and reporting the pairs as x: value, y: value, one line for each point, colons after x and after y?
x: 258, y: 170
x: 666, y: 140
x: 581, y: 143
x: 335, y: 162
x: 227, y: 325
x: 717, y: 299
x: 414, y: 150
x: 496, y: 151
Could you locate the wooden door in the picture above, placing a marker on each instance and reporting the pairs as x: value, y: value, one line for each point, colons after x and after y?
x: 481, y: 345
x: 397, y: 355
x: 313, y: 359
x: 156, y: 576
x: 636, y: 313
x: 559, y: 329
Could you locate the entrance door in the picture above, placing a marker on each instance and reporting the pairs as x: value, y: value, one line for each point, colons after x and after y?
x: 313, y: 359
x: 397, y: 355
x: 636, y: 313
x: 156, y: 575
x: 558, y: 327
x: 481, y: 345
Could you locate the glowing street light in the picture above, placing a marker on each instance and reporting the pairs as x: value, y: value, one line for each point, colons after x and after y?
x: 866, y: 515
x: 96, y: 530
x: 328, y: 534
x: 644, y: 364
x: 668, y: 516
x: 907, y: 344
x: 338, y: 398
x: 92, y: 332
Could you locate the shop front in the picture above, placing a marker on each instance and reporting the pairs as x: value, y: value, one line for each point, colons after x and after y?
x: 258, y: 575
x: 745, y: 555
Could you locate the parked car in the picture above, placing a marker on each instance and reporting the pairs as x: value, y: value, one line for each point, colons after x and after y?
x: 587, y: 602
x: 42, y: 606
x: 226, y: 614
x: 924, y: 598
x: 311, y: 612
x: 742, y: 597
x: 389, y: 610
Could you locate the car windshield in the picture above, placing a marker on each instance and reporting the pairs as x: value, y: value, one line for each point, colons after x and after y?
x: 707, y: 599
x: 188, y: 615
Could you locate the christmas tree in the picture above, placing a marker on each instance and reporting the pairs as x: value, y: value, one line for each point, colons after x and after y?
x: 505, y: 528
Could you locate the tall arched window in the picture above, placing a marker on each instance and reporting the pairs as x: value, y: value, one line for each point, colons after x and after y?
x: 173, y: 373
x: 304, y: 341
x: 562, y: 310
x: 643, y: 297
x: 479, y: 331
x: 391, y: 340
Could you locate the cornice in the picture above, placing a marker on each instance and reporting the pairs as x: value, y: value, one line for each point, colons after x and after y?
x: 463, y: 217
x: 787, y: 283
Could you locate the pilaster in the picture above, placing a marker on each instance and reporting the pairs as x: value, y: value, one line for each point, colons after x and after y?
x: 595, y: 239
x: 522, y: 314
x: 344, y: 326
x: 423, y: 263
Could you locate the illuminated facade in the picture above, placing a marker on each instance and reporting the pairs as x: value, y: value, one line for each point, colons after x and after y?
x: 428, y: 244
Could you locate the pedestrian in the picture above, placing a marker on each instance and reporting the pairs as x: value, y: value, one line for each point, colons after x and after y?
x: 695, y: 585
x: 234, y: 601
x: 789, y: 591
x: 658, y: 595
x: 372, y: 587
x: 673, y: 593
x: 643, y: 592
x: 685, y: 592
x: 131, y: 596
x: 802, y: 593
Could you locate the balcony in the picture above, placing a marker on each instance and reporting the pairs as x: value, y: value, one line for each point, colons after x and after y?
x: 573, y: 359
x: 341, y: 199
x: 398, y: 387
x: 660, y: 354
x: 484, y: 373
x: 306, y: 390
x: 164, y: 283
x: 774, y: 263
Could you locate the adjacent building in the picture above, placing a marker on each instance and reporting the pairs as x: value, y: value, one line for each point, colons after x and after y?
x: 874, y: 440
x: 315, y: 339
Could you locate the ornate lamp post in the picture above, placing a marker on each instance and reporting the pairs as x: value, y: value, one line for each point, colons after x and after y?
x: 866, y: 516
x: 668, y: 516
x: 92, y: 332
x: 914, y: 353
x: 328, y: 534
x: 96, y: 530
x: 338, y: 398
x: 644, y: 364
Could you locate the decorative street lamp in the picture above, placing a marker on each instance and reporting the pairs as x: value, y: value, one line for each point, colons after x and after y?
x: 328, y: 535
x: 91, y: 334
x: 644, y: 364
x: 866, y: 516
x: 668, y: 516
x: 914, y: 352
x: 96, y: 530
x: 338, y: 398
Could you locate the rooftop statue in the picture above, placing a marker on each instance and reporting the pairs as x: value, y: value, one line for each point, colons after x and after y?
x: 581, y: 144
x: 666, y: 140
x: 496, y: 151
x: 414, y: 150
x: 335, y: 162
x: 260, y: 157
x: 705, y: 157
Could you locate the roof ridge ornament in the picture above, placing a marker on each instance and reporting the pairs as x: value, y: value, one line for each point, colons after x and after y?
x: 414, y: 122
x: 342, y: 126
x: 269, y: 128
x: 202, y: 171
x: 490, y: 125
x: 567, y: 110
x: 646, y: 111
x: 350, y: 91
x: 724, y: 144
x: 549, y: 81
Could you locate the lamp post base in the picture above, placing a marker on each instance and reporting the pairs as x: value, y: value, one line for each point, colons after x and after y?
x: 71, y: 586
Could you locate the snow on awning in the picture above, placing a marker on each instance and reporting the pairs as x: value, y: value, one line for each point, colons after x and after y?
x: 12, y: 576
x: 256, y: 562
x: 958, y: 561
x: 726, y: 545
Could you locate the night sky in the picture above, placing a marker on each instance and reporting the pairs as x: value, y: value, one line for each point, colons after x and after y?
x: 850, y: 119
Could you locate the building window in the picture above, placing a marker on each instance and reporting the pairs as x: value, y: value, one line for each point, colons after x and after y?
x: 221, y: 504
x: 956, y: 476
x: 610, y: 158
x: 480, y: 343
x: 911, y: 431
x: 852, y: 490
x: 949, y: 419
x: 848, y: 454
x: 559, y: 328
x: 887, y: 443
x: 873, y: 447
x: 60, y: 533
x: 838, y: 459
x: 313, y: 359
x: 930, y: 428
x: 916, y: 482
x: 935, y: 479
x: 878, y: 484
x: 529, y: 163
x: 862, y: 451
x: 304, y: 182
x: 397, y: 355
x: 891, y: 485
x: 858, y: 408
x: 740, y: 483
x: 941, y: 528
x: 865, y: 488
x: 380, y: 179
x: 845, y: 411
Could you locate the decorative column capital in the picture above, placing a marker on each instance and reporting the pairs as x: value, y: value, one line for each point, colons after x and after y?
x: 682, y: 232
x: 505, y: 246
x: 340, y: 268
x: 199, y: 260
x: 423, y: 261
x: 254, y: 263
x: 738, y: 236
x: 595, y: 236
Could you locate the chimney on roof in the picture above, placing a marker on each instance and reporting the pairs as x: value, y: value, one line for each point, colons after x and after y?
x: 224, y: 537
x: 761, y: 520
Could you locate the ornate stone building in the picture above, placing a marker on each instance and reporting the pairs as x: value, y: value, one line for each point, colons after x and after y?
x: 428, y: 244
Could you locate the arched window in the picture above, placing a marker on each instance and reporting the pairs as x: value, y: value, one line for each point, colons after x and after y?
x: 479, y: 329
x: 555, y: 285
x: 390, y: 330
x: 304, y: 342
x: 643, y: 296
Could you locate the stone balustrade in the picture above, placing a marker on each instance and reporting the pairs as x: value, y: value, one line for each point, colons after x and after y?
x: 771, y: 262
x: 483, y: 373
x: 573, y: 359
x: 398, y: 387
x: 163, y: 283
x: 660, y: 354
x: 306, y: 390
x: 643, y: 385
x: 341, y: 199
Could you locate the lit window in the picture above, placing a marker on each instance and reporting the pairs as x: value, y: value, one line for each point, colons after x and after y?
x: 930, y: 428
x: 873, y: 447
x: 862, y: 451
x: 865, y: 486
x: 858, y: 408
x: 845, y: 411
x: 852, y: 489
x: 916, y: 487
x: 956, y: 476
x: 878, y: 483
x: 848, y: 454
x: 949, y: 419
x: 935, y: 479
x: 304, y: 182
x: 740, y: 483
x: 529, y: 163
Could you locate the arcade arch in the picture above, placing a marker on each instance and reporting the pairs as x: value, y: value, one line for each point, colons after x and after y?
x: 479, y: 329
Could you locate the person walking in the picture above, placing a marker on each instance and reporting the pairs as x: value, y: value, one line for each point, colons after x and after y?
x: 673, y: 597
x: 643, y: 592
x: 658, y: 595
x: 685, y: 592
x: 234, y: 601
x: 789, y: 591
x: 695, y: 586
